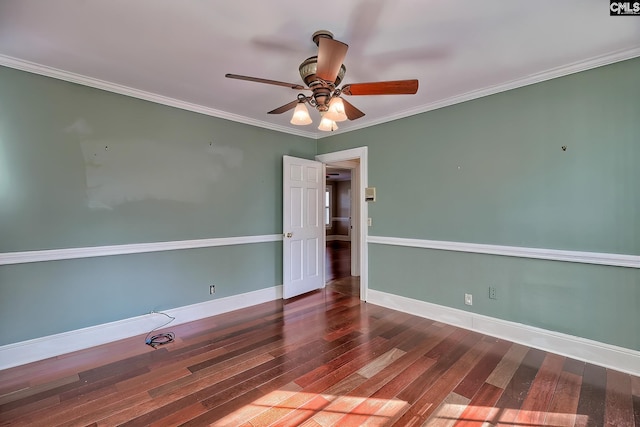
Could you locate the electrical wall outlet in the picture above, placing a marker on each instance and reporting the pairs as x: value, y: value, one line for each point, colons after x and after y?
x: 468, y: 299
x: 492, y: 292
x: 212, y: 289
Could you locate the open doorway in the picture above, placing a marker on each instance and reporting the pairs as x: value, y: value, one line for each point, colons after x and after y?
x: 354, y: 160
x: 339, y: 274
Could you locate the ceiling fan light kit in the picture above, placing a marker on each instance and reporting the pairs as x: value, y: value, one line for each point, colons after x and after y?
x: 336, y: 110
x: 327, y: 125
x: 301, y: 115
x: 322, y: 74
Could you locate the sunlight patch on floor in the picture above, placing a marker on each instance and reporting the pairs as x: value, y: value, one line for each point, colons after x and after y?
x: 325, y: 409
x: 448, y: 412
x: 453, y: 408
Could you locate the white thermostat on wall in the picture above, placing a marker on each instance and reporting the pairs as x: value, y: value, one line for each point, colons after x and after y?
x: 370, y: 194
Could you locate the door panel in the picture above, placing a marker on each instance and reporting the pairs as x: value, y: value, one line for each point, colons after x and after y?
x: 303, y: 230
x: 312, y: 257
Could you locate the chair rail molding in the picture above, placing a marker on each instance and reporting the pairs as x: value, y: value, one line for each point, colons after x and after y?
x: 616, y: 260
x: 133, y: 248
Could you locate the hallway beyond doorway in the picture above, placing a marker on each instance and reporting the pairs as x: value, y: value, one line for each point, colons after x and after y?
x: 338, y: 269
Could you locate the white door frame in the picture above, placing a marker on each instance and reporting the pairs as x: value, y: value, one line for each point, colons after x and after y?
x: 354, y: 229
x: 359, y: 153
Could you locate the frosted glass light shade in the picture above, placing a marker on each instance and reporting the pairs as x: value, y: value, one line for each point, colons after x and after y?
x: 336, y: 111
x: 327, y: 124
x: 301, y: 115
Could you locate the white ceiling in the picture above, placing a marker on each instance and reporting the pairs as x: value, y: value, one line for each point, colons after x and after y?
x: 177, y: 52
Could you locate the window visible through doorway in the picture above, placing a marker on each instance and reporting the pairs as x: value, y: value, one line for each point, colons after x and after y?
x: 327, y: 205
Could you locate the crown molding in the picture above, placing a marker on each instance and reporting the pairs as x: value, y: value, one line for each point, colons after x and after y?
x: 553, y: 73
x: 43, y: 70
x: 576, y: 67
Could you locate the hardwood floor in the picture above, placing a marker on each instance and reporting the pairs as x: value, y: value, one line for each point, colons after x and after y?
x: 337, y: 260
x: 338, y: 269
x: 323, y: 359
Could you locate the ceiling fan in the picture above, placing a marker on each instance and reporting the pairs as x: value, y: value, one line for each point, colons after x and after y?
x: 323, y: 74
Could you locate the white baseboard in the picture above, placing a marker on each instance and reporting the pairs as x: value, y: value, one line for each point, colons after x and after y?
x: 606, y: 355
x: 54, y: 345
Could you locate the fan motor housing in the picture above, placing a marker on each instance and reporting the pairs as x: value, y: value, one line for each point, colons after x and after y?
x: 308, y: 71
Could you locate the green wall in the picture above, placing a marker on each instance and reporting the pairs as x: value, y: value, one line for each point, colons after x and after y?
x: 83, y: 167
x: 493, y: 171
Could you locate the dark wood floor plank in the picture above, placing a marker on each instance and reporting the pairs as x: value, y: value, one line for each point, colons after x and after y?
x: 339, y: 377
x: 54, y: 368
x: 45, y: 394
x: 301, y: 414
x: 534, y: 407
x: 476, y: 377
x: 381, y: 362
x: 635, y: 391
x: 177, y: 418
x: 111, y: 407
x: 619, y: 401
x: 447, y: 412
x: 516, y: 391
x: 23, y: 413
x: 202, y: 379
x: 322, y: 359
x: 342, y: 404
x: 312, y: 357
x: 255, y: 345
x: 503, y: 373
x: 375, y: 383
x: 248, y: 386
x: 592, y: 397
x: 446, y: 354
x: 398, y: 383
x: 481, y: 407
x: 28, y: 391
x: 252, y: 410
x: 9, y: 385
x: 228, y: 407
x: 563, y: 406
x: 332, y: 365
x: 162, y: 401
x: 423, y: 408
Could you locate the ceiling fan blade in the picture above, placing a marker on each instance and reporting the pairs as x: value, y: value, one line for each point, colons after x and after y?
x: 285, y: 107
x: 331, y: 53
x: 267, y: 81
x: 396, y: 87
x: 352, y: 112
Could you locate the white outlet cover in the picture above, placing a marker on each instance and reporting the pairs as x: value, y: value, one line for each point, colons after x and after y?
x: 468, y: 299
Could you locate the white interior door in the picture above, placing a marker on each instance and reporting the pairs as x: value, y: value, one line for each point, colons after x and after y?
x: 303, y: 226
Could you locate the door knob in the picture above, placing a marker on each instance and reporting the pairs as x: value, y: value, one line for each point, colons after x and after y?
x: 288, y: 235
